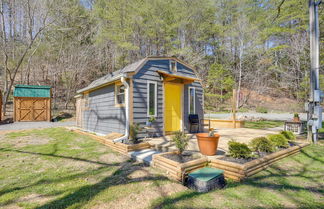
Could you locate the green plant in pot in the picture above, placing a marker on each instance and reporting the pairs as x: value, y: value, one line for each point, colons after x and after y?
x: 296, y: 117
x: 150, y: 121
x: 180, y: 140
x: 133, y: 131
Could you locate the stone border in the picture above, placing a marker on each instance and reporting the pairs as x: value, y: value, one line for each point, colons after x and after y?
x: 116, y: 146
x: 239, y: 172
x: 175, y: 170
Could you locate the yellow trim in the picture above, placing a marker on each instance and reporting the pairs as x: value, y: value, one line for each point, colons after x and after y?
x: 99, y: 87
x: 131, y: 101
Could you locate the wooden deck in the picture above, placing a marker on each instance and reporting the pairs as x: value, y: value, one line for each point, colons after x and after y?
x: 244, y: 135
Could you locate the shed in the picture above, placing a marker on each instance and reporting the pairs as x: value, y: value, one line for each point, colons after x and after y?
x: 32, y: 103
x: 163, y: 88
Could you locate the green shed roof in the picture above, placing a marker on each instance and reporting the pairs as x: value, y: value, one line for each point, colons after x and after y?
x: 32, y: 91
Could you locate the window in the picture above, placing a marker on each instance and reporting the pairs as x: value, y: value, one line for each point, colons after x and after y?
x: 86, y: 100
x: 173, y: 66
x: 192, y: 100
x: 151, y: 98
x: 120, y: 94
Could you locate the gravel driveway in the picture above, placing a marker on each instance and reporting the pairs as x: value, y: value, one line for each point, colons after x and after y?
x: 34, y: 125
x: 267, y: 116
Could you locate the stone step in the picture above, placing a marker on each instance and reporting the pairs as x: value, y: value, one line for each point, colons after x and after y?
x: 144, y: 156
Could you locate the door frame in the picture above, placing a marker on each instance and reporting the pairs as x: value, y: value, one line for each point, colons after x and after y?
x: 181, y: 104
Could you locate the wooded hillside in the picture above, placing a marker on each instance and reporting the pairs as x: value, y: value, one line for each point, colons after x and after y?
x: 261, y: 45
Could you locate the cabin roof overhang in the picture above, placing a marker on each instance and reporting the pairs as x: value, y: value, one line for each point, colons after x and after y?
x: 168, y: 77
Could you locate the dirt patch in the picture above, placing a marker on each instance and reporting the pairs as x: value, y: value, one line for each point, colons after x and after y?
x: 23, y: 141
x: 11, y: 207
x: 139, y: 173
x: 80, y: 165
x: 112, y: 158
x: 35, y: 198
x: 144, y: 198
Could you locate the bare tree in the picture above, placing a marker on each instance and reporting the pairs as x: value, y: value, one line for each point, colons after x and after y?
x: 37, y: 15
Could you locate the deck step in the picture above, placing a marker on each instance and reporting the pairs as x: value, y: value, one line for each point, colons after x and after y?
x: 144, y: 156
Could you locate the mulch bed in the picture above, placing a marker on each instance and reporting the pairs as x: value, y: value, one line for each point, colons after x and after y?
x: 129, y: 142
x: 180, y: 158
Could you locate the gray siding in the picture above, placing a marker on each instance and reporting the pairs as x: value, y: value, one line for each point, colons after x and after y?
x: 102, y: 116
x: 148, y: 73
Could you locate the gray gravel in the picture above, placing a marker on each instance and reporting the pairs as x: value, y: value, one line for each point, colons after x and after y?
x: 34, y: 125
x: 267, y: 116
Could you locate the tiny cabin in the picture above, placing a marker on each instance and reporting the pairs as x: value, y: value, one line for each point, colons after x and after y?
x: 163, y: 88
x: 32, y: 103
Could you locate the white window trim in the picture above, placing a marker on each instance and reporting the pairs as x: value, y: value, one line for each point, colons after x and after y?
x: 170, y: 65
x: 148, y: 97
x: 194, y: 100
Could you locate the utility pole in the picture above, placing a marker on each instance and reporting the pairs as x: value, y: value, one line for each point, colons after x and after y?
x: 314, y: 109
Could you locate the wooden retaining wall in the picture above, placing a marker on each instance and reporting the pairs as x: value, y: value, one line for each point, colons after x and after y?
x: 239, y: 172
x: 116, y: 146
x: 178, y: 171
x: 175, y: 170
x: 220, y: 123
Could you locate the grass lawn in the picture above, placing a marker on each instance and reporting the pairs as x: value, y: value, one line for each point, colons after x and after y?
x: 56, y: 168
x: 263, y: 124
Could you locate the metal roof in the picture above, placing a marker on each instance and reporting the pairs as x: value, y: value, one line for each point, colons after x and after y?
x: 113, y: 76
x: 32, y: 91
x: 128, y: 69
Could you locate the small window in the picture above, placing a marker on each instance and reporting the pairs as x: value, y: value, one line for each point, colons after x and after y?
x: 173, y: 66
x: 192, y: 100
x: 151, y: 98
x: 86, y: 100
x: 120, y: 94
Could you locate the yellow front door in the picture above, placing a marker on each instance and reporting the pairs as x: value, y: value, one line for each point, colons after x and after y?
x: 172, y: 110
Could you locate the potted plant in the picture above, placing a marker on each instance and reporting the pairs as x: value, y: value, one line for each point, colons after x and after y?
x: 150, y: 121
x: 208, y: 142
x: 296, y: 117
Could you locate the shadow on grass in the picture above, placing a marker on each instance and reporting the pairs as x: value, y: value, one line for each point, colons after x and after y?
x: 85, y: 193
x: 273, y: 179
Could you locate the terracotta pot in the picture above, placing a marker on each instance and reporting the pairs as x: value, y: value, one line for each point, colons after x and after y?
x: 207, y: 144
x: 296, y: 119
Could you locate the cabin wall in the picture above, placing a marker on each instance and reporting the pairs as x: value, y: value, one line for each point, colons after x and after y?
x: 148, y: 73
x: 101, y: 115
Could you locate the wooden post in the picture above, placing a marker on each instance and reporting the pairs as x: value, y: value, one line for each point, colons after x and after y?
x: 234, y: 108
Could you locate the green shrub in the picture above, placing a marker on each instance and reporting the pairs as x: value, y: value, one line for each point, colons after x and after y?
x: 239, y: 150
x: 288, y: 135
x: 262, y: 144
x: 133, y: 131
x: 261, y: 110
x: 279, y: 140
x: 181, y: 141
